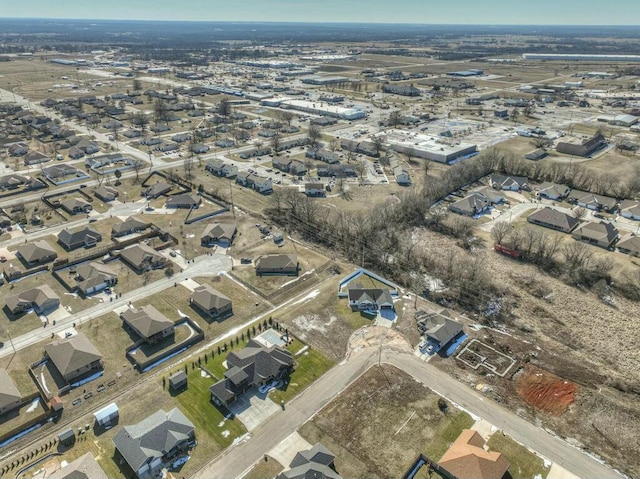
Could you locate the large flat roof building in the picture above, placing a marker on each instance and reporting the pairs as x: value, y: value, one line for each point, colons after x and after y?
x: 428, y: 147
x: 325, y: 109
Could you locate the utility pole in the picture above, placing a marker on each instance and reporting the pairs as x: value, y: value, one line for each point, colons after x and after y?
x: 233, y: 209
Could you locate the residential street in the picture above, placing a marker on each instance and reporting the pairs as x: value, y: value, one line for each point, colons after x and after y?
x: 237, y: 460
x: 202, y: 266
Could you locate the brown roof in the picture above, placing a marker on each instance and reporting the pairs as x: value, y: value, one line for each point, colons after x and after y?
x: 36, y: 251
x: 85, y: 467
x: 220, y: 231
x: 139, y: 253
x: 467, y: 459
x: 37, y: 297
x: 9, y: 394
x: 208, y: 298
x: 276, y: 261
x: 72, y: 353
x: 147, y: 320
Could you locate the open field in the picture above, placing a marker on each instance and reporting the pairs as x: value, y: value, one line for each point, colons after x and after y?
x: 378, y: 425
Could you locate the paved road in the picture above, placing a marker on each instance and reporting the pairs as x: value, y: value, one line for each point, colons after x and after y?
x: 237, y: 460
x: 202, y: 266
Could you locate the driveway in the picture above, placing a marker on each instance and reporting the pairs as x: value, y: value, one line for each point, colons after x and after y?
x: 253, y: 408
x: 287, y: 449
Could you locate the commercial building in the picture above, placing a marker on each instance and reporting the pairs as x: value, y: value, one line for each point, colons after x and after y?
x: 320, y: 108
x: 427, y: 147
x: 581, y: 57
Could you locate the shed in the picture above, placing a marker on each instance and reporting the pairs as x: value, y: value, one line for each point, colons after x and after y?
x: 178, y: 381
x: 107, y: 416
x: 67, y: 437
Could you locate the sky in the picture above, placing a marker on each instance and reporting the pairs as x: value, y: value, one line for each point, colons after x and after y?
x: 492, y: 12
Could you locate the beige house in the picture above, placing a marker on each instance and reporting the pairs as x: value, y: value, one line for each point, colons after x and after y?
x: 210, y: 302
x: 74, y: 357
x: 148, y: 323
x: 10, y: 397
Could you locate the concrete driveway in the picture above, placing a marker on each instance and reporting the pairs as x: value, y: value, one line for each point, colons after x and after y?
x: 253, y: 408
x: 288, y: 448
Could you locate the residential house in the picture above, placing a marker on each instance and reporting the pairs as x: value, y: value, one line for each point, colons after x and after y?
x: 157, y: 439
x: 509, y: 183
x: 10, y: 397
x: 467, y: 458
x: 74, y: 357
x: 75, y: 206
x: 582, y: 148
x: 471, y: 205
x: 35, y: 158
x: 403, y: 178
x: 592, y: 201
x: 553, y: 191
x: 88, y: 146
x: 630, y: 245
x: 14, y: 181
x: 166, y: 148
x: 210, y: 302
x: 129, y: 226
x: 277, y: 264
x: 265, y: 150
x: 148, y: 323
x: 221, y: 168
x: 94, y: 277
x: 18, y: 149
x: 184, y: 200
x: 325, y: 156
x: 159, y: 189
x: 317, y: 463
x: 218, y: 233
x: 42, y: 299
x: 200, y: 148
x: 260, y: 184
x: 369, y: 299
x: 35, y: 253
x: 601, y: 234
x: 254, y: 365
x: 75, y: 153
x: 86, y: 237
x: 106, y: 193
x: 339, y: 171
x: 554, y: 219
x: 630, y: 209
x: 85, y: 467
x: 62, y: 173
x: 438, y: 328
x: 314, y: 189
x: 142, y: 258
x: 180, y: 137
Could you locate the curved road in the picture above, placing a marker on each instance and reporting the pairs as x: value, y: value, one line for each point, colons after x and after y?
x: 238, y: 459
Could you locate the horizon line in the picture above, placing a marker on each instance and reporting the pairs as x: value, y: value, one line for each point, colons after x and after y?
x: 262, y: 22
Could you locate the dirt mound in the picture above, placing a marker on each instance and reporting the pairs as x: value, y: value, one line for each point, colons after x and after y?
x: 545, y: 391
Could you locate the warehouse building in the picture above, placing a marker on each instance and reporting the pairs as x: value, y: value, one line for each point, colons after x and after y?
x: 428, y: 147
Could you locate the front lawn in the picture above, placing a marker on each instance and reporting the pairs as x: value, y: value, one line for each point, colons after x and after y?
x: 195, y: 402
x: 310, y: 365
x: 524, y: 463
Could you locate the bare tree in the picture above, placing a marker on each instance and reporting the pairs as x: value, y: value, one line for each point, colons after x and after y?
x: 314, y: 134
x: 188, y: 167
x: 579, y: 212
x: 514, y: 114
x: 224, y: 108
x: 286, y: 116
x: 276, y: 141
x: 500, y: 231
x: 541, y: 142
x: 378, y: 143
x: 395, y: 118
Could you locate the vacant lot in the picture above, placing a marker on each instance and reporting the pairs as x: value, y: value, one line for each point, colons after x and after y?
x: 381, y: 423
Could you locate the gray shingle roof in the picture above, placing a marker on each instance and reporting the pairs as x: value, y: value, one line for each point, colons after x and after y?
x: 9, y: 393
x: 153, y: 437
x: 147, y: 320
x: 36, y: 251
x: 555, y: 218
x: 209, y: 298
x: 85, y: 467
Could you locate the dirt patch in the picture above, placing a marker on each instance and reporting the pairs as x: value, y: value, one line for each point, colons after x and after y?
x: 545, y: 391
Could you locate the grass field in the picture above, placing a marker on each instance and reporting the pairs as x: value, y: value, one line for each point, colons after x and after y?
x: 447, y: 433
x: 524, y: 463
x: 310, y: 365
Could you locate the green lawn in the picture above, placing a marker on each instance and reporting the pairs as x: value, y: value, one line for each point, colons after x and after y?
x: 196, y: 404
x: 452, y: 425
x: 310, y: 366
x: 524, y: 463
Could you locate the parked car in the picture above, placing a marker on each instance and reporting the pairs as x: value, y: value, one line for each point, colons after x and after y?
x: 245, y: 261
